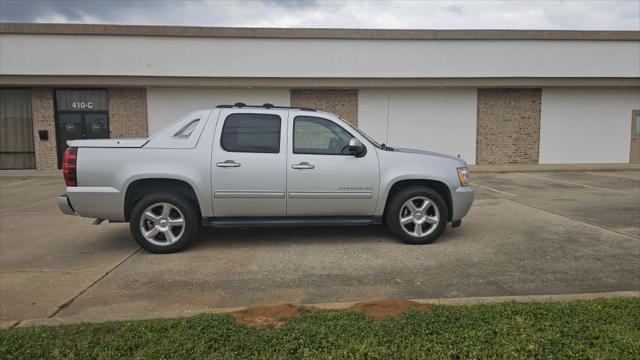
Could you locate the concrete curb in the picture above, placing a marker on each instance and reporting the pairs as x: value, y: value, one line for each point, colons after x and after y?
x: 501, y: 299
x: 326, y: 306
x: 477, y: 169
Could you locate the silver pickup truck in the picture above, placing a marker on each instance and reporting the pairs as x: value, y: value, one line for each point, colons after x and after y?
x: 243, y: 165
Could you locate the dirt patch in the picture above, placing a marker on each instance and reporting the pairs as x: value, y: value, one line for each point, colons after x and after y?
x: 276, y: 315
x: 266, y: 315
x: 383, y: 309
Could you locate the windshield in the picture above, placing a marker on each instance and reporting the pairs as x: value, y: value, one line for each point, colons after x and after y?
x: 371, y: 140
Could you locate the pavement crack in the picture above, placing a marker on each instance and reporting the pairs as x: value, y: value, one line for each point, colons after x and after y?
x: 65, y: 272
x: 15, y: 324
x: 70, y: 301
x: 46, y: 272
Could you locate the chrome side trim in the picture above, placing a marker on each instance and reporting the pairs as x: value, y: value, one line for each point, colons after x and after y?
x: 290, y: 221
x: 331, y: 195
x: 248, y: 194
x: 91, y: 190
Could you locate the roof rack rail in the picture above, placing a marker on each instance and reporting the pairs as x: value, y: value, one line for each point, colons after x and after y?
x: 241, y: 105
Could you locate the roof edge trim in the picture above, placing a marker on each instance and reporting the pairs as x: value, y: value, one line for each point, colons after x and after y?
x: 308, y: 33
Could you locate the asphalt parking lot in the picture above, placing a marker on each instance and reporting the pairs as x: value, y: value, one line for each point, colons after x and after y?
x: 527, y: 234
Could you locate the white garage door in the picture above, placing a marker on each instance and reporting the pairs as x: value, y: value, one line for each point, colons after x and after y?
x: 168, y: 104
x: 586, y: 125
x: 427, y: 119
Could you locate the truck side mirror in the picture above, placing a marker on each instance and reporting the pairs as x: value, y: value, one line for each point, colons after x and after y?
x: 355, y: 147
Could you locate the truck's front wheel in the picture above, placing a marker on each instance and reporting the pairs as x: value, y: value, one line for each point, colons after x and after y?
x: 417, y: 215
x: 164, y: 222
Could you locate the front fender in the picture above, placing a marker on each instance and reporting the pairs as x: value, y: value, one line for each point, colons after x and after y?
x: 389, y: 183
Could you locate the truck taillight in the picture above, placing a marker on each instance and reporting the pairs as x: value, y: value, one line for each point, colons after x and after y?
x: 69, y: 162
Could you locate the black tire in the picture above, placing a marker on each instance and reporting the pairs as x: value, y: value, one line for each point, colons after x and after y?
x: 396, y: 205
x: 190, y: 215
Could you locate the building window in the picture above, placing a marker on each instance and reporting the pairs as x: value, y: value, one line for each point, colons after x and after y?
x: 16, y: 130
x: 251, y: 133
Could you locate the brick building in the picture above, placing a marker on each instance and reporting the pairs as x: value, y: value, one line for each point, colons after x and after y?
x: 492, y: 96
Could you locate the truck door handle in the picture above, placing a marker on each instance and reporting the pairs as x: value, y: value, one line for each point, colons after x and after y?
x: 303, y: 166
x: 228, y: 164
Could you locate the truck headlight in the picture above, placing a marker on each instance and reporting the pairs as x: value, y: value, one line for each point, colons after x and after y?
x: 463, y: 175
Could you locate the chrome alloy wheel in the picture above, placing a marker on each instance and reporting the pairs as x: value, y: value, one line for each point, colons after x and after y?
x: 419, y: 216
x: 162, y: 224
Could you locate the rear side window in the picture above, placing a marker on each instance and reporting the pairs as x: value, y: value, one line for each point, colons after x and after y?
x: 252, y: 133
x: 186, y: 131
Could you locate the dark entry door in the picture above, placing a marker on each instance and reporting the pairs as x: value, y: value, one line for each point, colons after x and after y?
x: 69, y: 128
x: 81, y: 114
x: 634, y: 156
x: 81, y: 125
x: 96, y: 126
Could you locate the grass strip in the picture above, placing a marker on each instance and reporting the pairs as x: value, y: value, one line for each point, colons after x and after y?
x: 583, y: 329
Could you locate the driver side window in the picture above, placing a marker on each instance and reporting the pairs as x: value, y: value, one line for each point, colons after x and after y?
x: 313, y: 135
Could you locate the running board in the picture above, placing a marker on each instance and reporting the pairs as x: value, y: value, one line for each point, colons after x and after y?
x: 290, y: 221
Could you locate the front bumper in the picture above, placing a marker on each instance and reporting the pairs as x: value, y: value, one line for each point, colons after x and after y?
x: 65, y: 205
x: 462, y: 201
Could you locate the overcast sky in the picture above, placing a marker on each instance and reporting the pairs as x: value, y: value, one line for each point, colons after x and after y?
x: 411, y: 14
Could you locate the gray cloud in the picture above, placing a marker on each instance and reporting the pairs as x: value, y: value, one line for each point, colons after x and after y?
x: 455, y: 9
x: 71, y: 11
x: 541, y: 14
x: 296, y: 4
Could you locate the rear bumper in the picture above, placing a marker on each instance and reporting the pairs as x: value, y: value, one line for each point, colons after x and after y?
x: 64, y: 205
x: 97, y: 202
x: 462, y: 201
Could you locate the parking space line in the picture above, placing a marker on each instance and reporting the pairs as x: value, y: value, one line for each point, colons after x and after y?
x: 492, y: 189
x: 39, y: 202
x: 616, y: 175
x: 19, y: 182
x: 70, y: 301
x: 572, y: 183
x: 21, y: 192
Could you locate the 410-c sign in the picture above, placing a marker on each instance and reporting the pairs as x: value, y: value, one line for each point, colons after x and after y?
x: 81, y: 105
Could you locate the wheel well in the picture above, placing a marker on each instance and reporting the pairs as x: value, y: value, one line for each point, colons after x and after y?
x: 141, y: 188
x: 440, y: 187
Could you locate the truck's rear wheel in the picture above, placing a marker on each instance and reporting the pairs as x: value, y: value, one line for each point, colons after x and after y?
x: 164, y: 222
x: 417, y: 215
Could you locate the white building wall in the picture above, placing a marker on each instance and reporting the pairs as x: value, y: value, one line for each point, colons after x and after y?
x: 442, y: 120
x: 168, y: 104
x: 586, y: 125
x: 312, y: 58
